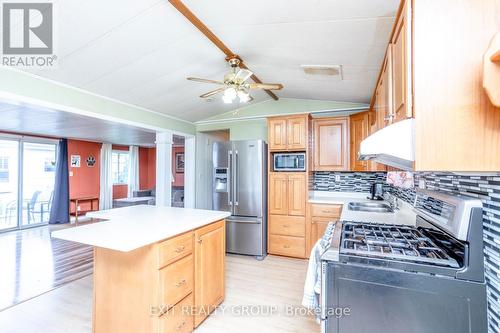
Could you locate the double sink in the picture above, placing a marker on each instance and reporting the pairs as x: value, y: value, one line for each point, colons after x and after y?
x: 374, y: 207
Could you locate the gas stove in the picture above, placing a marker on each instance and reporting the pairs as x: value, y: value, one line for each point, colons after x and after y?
x: 420, y: 270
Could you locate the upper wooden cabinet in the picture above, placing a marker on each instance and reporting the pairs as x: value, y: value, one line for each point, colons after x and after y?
x: 288, y: 133
x: 331, y: 145
x: 401, y: 65
x: 436, y: 80
x: 359, y: 130
x: 277, y: 133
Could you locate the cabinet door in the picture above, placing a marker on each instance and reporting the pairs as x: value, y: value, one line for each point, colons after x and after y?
x: 277, y: 133
x: 297, y: 194
x: 318, y: 227
x: 278, y: 188
x: 359, y: 131
x: 331, y: 145
x: 210, y: 251
x: 386, y: 114
x: 401, y: 64
x: 297, y: 133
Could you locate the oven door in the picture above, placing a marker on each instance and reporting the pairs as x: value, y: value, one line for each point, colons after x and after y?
x: 386, y: 300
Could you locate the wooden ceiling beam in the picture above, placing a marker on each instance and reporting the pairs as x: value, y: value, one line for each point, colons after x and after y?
x: 189, y: 15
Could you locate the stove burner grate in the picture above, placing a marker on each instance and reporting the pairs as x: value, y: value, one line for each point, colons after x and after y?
x: 390, y: 241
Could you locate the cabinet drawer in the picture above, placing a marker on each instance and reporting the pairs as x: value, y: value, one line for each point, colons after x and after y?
x: 174, y: 249
x: 176, y: 281
x: 287, y: 246
x: 287, y: 225
x: 178, y: 319
x: 326, y: 210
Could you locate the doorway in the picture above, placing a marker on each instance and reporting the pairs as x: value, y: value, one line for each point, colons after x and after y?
x: 178, y: 168
x: 27, y: 173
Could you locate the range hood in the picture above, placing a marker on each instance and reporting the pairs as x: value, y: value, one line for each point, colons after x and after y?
x: 393, y: 145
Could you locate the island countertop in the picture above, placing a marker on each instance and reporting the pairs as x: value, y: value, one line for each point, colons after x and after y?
x: 130, y: 228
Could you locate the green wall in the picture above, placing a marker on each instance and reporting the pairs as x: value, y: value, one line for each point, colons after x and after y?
x: 252, y: 129
x: 28, y: 88
x: 250, y: 122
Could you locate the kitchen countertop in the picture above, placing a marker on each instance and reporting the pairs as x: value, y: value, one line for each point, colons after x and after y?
x: 130, y: 228
x: 405, y: 215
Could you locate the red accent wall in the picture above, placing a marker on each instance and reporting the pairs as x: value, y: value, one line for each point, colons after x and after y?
x: 147, y: 168
x: 178, y: 176
x: 85, y: 180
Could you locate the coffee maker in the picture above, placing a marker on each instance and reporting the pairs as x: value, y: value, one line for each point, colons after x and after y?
x: 376, y: 191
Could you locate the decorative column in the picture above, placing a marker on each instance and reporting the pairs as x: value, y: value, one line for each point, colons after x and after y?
x: 189, y: 171
x: 164, y: 168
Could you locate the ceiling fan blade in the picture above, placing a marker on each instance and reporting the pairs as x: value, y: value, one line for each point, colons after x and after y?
x: 265, y: 86
x: 242, y: 75
x: 213, y: 92
x: 204, y: 80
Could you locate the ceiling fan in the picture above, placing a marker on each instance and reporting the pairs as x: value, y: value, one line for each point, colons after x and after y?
x: 235, y: 85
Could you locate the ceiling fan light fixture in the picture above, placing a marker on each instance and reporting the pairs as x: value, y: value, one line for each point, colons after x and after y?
x: 230, y: 93
x: 243, y: 96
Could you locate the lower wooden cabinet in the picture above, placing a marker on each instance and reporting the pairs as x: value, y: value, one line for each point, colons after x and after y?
x: 287, y: 246
x: 179, y: 318
x: 287, y: 213
x: 287, y: 225
x: 210, y: 250
x: 319, y: 217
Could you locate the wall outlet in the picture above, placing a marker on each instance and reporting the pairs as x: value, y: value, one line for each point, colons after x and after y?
x: 78, y: 208
x: 421, y: 184
x: 71, y: 173
x: 337, y: 178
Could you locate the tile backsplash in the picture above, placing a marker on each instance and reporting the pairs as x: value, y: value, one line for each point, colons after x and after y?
x: 346, y: 181
x: 485, y: 187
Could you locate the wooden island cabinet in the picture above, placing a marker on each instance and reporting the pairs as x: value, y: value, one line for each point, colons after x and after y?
x: 156, y: 269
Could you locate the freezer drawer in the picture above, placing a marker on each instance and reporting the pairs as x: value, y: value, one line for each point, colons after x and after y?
x: 246, y: 236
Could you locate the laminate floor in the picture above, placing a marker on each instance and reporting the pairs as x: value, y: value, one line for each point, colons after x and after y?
x: 33, y: 263
x: 253, y: 289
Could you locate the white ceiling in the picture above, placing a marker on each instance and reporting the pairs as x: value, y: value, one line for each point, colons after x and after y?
x: 140, y: 52
x: 59, y: 124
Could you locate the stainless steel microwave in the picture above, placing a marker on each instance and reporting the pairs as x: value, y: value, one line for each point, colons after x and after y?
x: 289, y: 162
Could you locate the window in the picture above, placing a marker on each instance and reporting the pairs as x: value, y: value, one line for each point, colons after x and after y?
x: 4, y: 169
x: 120, y: 167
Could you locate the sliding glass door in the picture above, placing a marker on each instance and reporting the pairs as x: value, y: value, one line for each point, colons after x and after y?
x: 9, y: 183
x: 39, y: 161
x: 27, y: 173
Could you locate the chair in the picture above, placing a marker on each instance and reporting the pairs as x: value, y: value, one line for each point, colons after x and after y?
x: 45, y: 207
x: 30, y: 206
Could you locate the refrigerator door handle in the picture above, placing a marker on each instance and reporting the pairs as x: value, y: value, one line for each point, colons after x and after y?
x: 236, y: 179
x: 229, y: 175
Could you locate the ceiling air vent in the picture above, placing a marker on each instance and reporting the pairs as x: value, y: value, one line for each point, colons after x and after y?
x: 330, y: 70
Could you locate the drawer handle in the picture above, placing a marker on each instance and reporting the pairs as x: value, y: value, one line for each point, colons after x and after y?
x: 200, y: 240
x: 180, y: 249
x: 326, y: 211
x: 286, y: 226
x: 180, y: 283
x: 286, y: 246
x: 180, y: 326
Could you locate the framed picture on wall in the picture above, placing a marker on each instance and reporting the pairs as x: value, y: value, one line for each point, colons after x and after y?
x: 179, y: 162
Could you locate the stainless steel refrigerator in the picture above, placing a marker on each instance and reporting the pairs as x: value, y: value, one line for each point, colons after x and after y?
x: 240, y: 187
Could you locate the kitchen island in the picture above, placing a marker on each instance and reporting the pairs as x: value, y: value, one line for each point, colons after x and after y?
x: 156, y: 269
